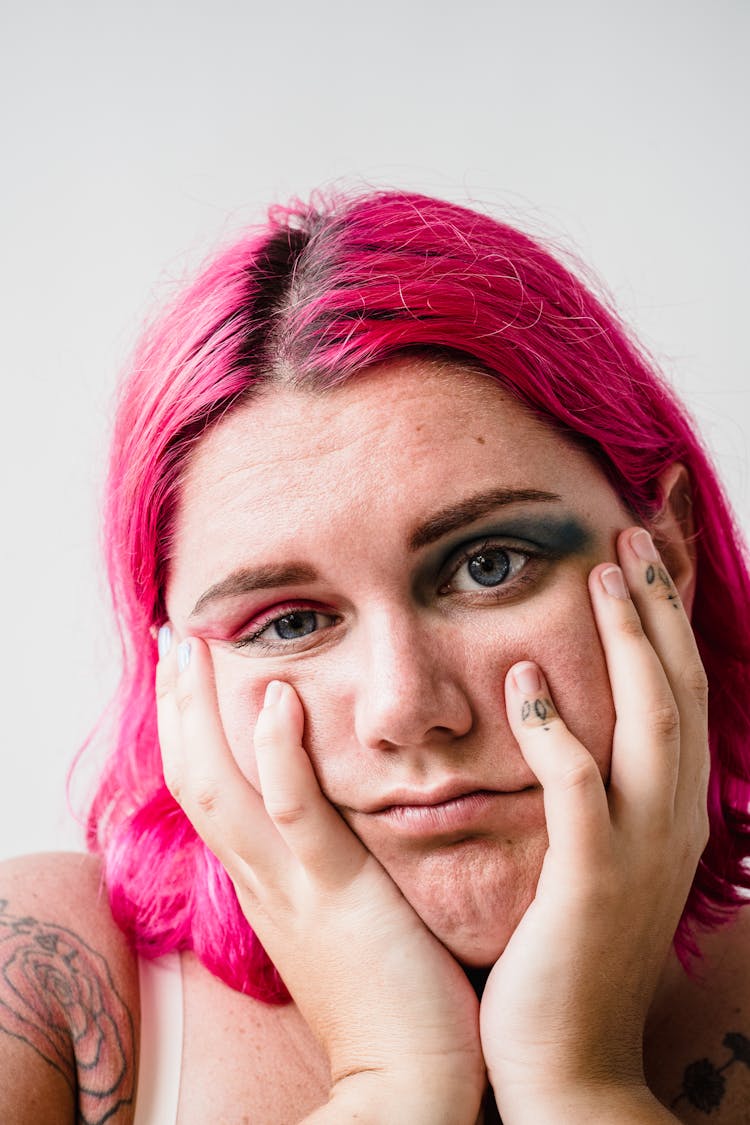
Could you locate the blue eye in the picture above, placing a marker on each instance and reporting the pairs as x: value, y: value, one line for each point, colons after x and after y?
x: 280, y: 632
x: 490, y: 567
x: 486, y: 565
x: 294, y: 625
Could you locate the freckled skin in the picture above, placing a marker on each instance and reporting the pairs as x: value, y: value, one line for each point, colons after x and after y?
x: 407, y: 688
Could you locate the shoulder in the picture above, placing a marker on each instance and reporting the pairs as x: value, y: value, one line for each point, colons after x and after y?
x: 69, y: 1010
x: 64, y: 880
x: 60, y: 901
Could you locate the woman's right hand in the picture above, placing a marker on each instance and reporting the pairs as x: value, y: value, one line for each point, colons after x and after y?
x: 393, y: 1010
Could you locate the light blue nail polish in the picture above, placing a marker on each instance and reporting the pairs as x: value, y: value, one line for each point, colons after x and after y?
x: 183, y: 655
x: 164, y: 641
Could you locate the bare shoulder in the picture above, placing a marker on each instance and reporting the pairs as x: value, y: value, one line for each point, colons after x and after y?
x: 69, y: 1008
x: 702, y: 1044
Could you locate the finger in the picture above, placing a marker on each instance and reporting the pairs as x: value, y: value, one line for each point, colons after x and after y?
x: 200, y: 769
x: 310, y: 826
x: 575, y: 802
x: 167, y: 715
x: 646, y: 739
x: 668, y: 629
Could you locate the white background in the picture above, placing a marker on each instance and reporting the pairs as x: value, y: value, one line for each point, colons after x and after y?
x: 135, y: 137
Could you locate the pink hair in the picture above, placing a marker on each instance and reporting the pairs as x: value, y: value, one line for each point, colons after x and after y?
x: 312, y: 298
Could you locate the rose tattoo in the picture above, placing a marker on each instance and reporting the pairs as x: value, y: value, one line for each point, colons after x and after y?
x: 58, y: 997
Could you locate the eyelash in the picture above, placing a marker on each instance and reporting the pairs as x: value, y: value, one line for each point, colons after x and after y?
x: 278, y: 613
x: 466, y: 554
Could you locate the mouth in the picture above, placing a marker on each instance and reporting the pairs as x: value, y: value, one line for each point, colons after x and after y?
x: 436, y: 812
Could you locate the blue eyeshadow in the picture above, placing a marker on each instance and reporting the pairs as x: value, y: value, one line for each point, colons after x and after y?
x: 562, y: 534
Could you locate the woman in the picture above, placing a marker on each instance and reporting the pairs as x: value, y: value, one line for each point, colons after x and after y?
x: 412, y: 539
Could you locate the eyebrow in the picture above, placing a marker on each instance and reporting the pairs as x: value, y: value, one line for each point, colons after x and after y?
x: 473, y: 508
x: 246, y: 579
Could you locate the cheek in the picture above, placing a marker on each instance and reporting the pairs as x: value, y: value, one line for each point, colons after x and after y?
x: 240, y: 689
x: 571, y: 656
x: 560, y: 634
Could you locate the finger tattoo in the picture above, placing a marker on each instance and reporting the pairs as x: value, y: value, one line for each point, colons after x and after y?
x: 537, y: 712
x: 658, y: 572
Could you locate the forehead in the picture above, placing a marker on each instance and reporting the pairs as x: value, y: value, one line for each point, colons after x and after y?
x: 296, y: 470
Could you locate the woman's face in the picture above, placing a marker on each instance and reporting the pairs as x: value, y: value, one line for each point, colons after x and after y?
x: 390, y: 548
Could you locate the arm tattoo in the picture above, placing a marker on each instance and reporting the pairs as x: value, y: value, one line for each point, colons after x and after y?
x: 704, y: 1084
x: 57, y: 995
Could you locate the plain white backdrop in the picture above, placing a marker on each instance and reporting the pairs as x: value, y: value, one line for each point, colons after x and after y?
x: 135, y: 138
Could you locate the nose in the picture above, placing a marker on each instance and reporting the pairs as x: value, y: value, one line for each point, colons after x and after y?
x: 409, y: 691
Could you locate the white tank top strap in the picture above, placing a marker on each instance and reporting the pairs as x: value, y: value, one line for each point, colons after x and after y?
x: 160, y: 1053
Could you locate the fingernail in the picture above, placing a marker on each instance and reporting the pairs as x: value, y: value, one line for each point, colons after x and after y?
x: 528, y: 679
x: 643, y: 546
x: 614, y: 583
x: 183, y: 655
x: 273, y: 693
x: 164, y: 641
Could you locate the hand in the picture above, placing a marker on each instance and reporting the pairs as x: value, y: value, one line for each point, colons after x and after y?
x: 564, y: 1008
x: 393, y: 1010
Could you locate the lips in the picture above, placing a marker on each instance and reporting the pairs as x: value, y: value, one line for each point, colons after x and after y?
x: 439, y: 795
x: 449, y: 815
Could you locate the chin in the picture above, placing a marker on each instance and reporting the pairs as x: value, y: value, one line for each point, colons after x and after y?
x: 472, y: 894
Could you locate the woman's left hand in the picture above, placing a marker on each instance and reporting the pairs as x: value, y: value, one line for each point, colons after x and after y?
x: 564, y: 1008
